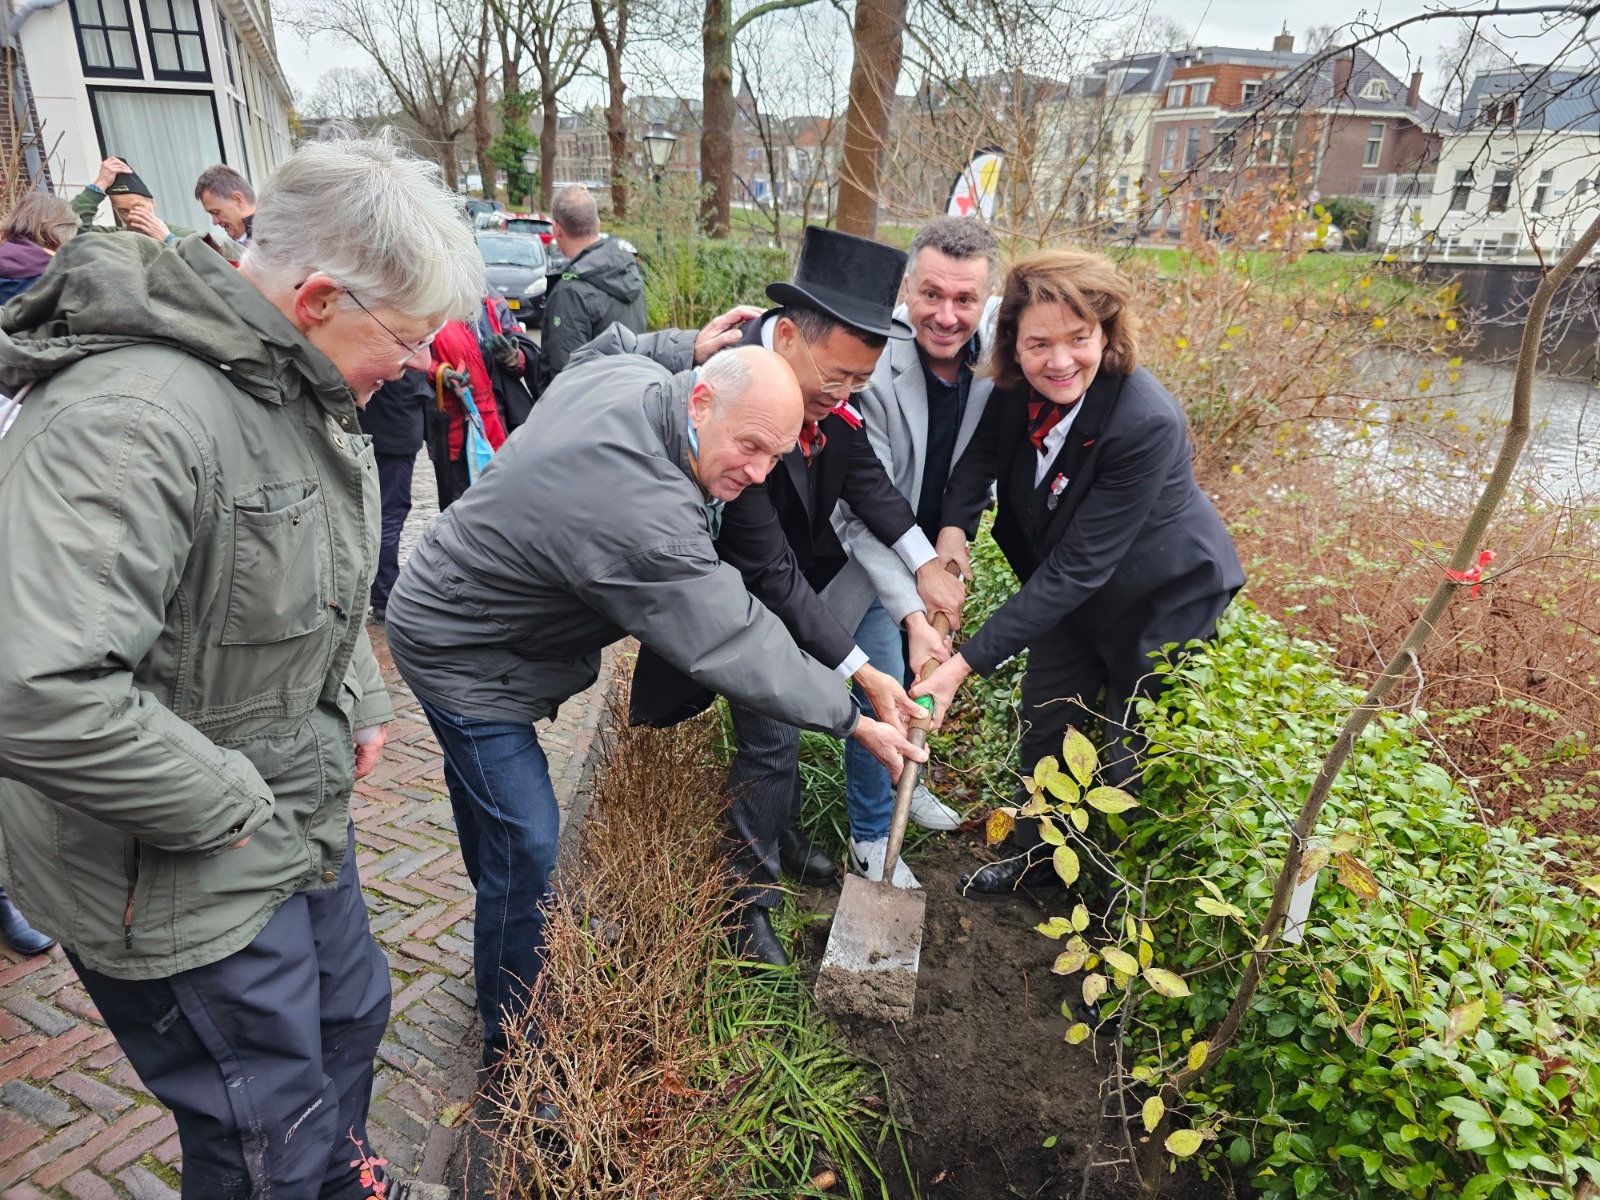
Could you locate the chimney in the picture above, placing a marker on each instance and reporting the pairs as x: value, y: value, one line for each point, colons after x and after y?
x: 1342, y: 66
x: 1284, y: 42
x: 1414, y: 92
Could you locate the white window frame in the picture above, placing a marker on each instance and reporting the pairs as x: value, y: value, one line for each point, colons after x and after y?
x: 1250, y: 91
x: 1175, y: 94
x: 1200, y: 92
x: 1374, y: 152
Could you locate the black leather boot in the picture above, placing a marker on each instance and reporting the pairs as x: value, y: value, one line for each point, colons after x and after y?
x: 1032, y: 871
x: 803, y: 861
x: 754, y: 938
x: 19, y: 935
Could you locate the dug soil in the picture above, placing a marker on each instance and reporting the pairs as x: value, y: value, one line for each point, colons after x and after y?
x: 993, y: 1101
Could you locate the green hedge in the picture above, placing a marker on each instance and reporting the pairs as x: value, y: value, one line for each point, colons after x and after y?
x: 1440, y: 1041
x: 690, y: 280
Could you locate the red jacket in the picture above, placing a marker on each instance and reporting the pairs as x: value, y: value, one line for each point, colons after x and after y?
x: 456, y: 347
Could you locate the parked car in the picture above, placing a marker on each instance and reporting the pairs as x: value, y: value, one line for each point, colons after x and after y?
x: 477, y: 208
x: 516, y: 265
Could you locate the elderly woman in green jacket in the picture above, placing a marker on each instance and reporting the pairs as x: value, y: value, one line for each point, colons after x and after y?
x: 189, y: 526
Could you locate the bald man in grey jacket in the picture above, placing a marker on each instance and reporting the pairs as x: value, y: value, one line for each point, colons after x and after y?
x: 593, y: 522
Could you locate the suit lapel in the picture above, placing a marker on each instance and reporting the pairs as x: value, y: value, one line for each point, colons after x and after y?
x: 910, y: 384
x: 1079, y: 454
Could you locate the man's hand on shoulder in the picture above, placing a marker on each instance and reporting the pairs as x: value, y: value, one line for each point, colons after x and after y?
x: 722, y: 332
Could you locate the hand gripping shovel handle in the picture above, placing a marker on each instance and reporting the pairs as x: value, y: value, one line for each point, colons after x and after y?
x: 920, y: 725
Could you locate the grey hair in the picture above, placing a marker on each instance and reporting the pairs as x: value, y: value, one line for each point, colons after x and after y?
x: 223, y: 181
x: 729, y: 376
x: 573, y: 209
x: 377, y: 220
x: 959, y: 238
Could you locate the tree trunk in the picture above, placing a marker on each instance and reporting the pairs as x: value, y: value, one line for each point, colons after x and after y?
x: 547, y: 148
x: 616, y: 111
x: 879, y: 45
x: 482, y: 132
x: 716, y: 129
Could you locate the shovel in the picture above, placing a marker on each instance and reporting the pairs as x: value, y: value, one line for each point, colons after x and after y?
x: 870, y: 968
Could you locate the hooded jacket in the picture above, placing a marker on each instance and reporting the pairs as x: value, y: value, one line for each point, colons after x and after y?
x: 587, y: 527
x: 189, y: 526
x: 21, y: 264
x: 602, y: 285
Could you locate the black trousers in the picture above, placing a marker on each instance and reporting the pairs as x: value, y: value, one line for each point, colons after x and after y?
x: 394, y: 485
x: 764, y: 794
x: 265, y: 1058
x: 1072, y: 679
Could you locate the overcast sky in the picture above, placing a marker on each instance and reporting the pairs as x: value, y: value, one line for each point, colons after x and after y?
x: 1247, y: 23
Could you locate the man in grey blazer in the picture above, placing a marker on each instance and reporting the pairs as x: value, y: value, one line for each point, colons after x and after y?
x: 920, y: 412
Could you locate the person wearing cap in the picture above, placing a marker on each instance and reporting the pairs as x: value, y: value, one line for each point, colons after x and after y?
x: 134, y: 210
x: 832, y: 323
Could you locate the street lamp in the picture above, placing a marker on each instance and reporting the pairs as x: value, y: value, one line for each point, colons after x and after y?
x: 530, y: 168
x: 659, y: 143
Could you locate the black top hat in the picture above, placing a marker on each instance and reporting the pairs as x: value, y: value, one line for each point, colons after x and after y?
x: 849, y: 278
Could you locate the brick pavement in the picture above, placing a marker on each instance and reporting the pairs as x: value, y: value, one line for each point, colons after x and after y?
x: 76, y: 1123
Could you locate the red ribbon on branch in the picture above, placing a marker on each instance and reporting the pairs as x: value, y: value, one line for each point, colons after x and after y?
x: 1473, y: 575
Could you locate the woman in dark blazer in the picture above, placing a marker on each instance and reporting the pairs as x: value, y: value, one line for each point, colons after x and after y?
x: 1118, y: 550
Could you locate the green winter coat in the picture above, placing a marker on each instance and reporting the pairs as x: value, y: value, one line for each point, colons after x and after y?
x: 87, y: 204
x: 188, y: 529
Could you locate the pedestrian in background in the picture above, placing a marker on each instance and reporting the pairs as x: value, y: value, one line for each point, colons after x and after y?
x: 228, y: 199
x: 186, y: 523
x: 600, y: 285
x: 32, y: 233
x: 395, y: 418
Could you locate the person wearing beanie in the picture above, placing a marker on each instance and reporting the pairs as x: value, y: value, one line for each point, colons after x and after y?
x: 134, y: 208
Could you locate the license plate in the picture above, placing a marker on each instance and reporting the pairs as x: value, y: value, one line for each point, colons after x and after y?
x: 513, y: 305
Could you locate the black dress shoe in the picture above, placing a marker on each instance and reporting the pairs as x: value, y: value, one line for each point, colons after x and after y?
x: 1008, y: 876
x: 753, y: 937
x: 803, y: 861
x: 19, y: 935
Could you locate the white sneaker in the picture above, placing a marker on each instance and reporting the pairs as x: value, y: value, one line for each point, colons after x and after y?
x: 930, y: 812
x: 867, y: 859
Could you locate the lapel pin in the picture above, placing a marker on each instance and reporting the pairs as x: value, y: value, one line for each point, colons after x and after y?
x: 1057, y: 486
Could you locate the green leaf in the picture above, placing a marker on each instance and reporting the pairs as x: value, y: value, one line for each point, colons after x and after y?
x: 1166, y: 982
x: 1503, y: 957
x: 1464, y: 1018
x: 1465, y: 1108
x: 1050, y: 1142
x: 1110, y: 800
x: 1481, y: 1185
x: 1197, y: 1055
x: 1474, y: 1135
x: 1062, y: 788
x: 1065, y: 861
x: 1049, y: 833
x: 1184, y: 1142
x: 1154, y: 1109
x: 1078, y: 753
x: 1080, y: 819
x: 1238, y: 1152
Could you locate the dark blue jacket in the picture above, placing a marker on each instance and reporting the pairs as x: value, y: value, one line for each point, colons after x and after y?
x: 395, y: 414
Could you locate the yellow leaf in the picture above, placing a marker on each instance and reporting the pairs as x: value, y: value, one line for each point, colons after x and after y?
x: 1343, y: 841
x: 1078, y: 751
x: 1450, y: 325
x: 1055, y: 928
x: 1197, y: 1055
x: 1110, y: 800
x: 1183, y: 343
x: 1080, y: 918
x: 1065, y: 861
x: 1154, y: 1109
x: 1464, y: 1018
x: 1044, y: 768
x: 1355, y: 876
x: 1315, y: 859
x: 1049, y: 833
x: 1094, y: 986
x: 999, y: 826
x: 1165, y: 982
x: 1184, y: 1142
x: 1079, y: 1033
x: 1121, y: 960
x: 1217, y: 908
x: 451, y: 1116
x: 1080, y: 819
x: 1068, y: 962
x: 1036, y: 806
x: 1146, y: 955
x: 1146, y: 934
x: 1063, y: 789
x: 1592, y: 883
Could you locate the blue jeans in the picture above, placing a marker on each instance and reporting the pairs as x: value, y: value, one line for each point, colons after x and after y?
x: 868, y: 790
x: 508, y: 825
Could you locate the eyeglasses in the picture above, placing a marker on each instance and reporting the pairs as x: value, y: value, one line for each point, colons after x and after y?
x: 421, y: 347
x: 838, y: 388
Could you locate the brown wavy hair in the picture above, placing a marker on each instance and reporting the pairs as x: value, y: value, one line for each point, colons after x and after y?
x: 1089, y: 284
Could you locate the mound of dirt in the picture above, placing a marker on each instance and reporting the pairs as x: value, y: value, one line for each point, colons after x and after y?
x: 994, y: 1102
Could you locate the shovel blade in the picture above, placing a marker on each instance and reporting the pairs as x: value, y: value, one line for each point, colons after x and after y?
x: 874, y: 949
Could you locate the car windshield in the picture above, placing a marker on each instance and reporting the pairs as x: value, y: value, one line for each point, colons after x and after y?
x: 528, y: 225
x: 510, y: 250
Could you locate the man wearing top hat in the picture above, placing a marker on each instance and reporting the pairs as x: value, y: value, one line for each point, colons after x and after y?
x: 832, y: 323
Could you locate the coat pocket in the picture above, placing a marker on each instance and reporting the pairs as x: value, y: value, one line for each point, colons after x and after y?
x: 276, y: 589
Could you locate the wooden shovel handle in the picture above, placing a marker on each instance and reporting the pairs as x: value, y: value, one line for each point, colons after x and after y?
x: 907, y: 783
